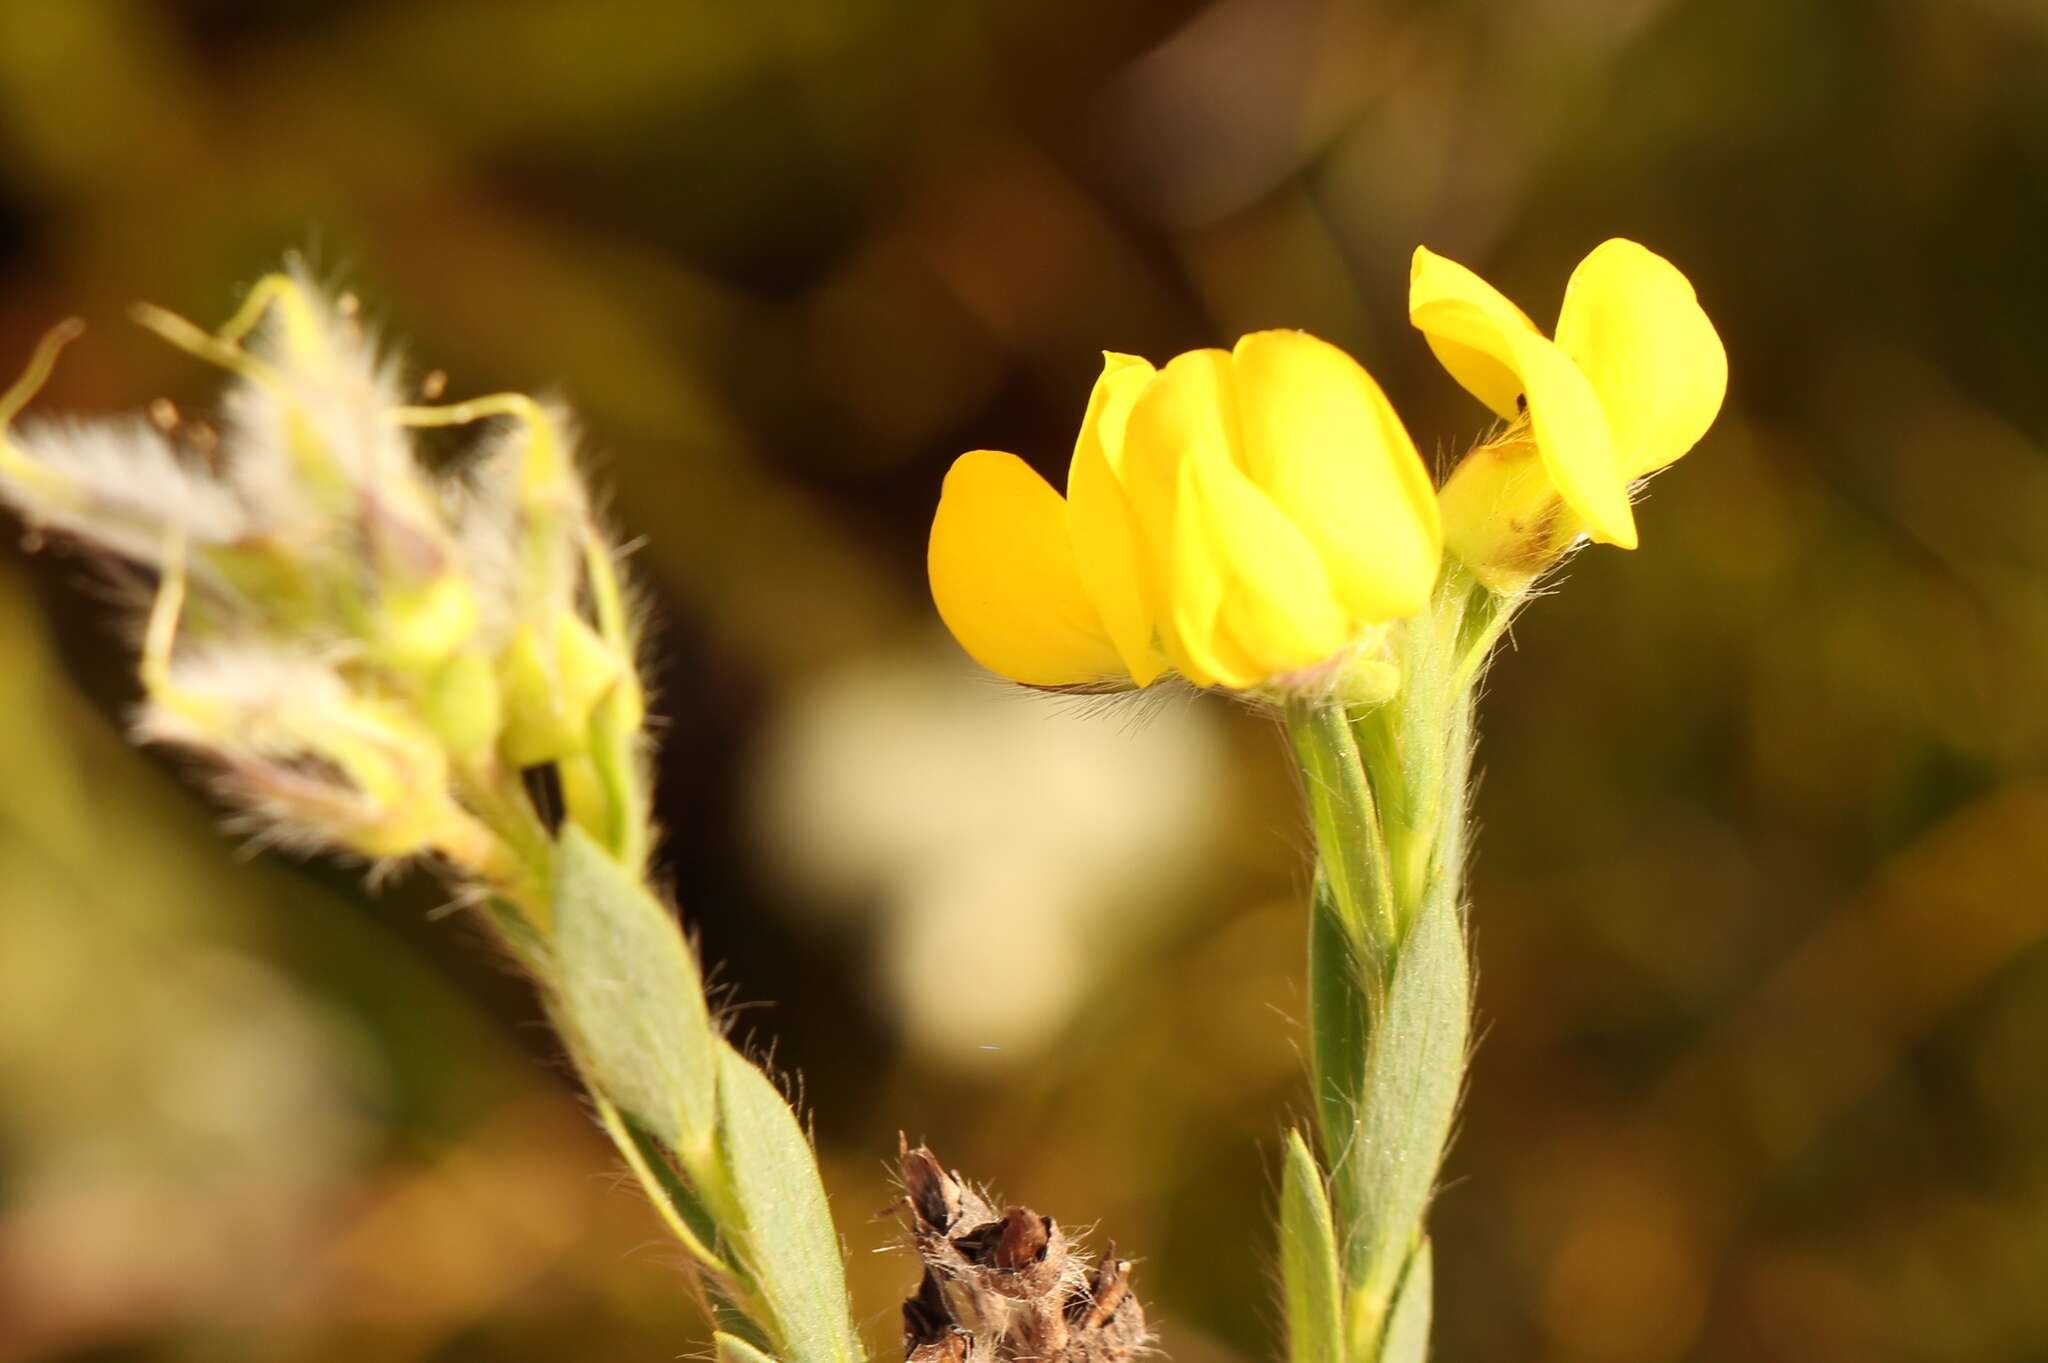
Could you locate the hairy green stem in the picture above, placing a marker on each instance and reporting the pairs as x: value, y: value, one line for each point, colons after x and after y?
x: 1389, y: 985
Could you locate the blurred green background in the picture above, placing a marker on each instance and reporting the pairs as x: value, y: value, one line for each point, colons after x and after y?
x: 1759, y: 903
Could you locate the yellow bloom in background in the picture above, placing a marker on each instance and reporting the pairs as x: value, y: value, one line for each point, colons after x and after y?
x: 1235, y: 517
x: 1633, y: 378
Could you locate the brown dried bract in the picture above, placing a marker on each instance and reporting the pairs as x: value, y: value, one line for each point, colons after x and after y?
x: 1008, y: 1286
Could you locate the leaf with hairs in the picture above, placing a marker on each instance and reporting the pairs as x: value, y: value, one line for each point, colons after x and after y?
x: 674, y: 1200
x: 1340, y: 1022
x: 788, y: 1247
x: 1309, y: 1272
x: 1413, y: 1076
x: 632, y: 1000
x: 733, y: 1349
x: 1407, y: 1338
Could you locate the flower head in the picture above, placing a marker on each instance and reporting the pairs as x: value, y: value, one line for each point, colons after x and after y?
x: 1240, y: 517
x: 377, y: 650
x: 1632, y: 379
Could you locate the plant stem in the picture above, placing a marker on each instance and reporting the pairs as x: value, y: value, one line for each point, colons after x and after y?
x: 1389, y: 986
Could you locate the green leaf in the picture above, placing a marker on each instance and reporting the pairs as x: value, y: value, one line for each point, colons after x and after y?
x: 1309, y: 1273
x: 1340, y: 1019
x: 1350, y: 848
x: 1408, y: 1327
x: 632, y: 1000
x: 788, y: 1246
x: 673, y: 1199
x: 733, y: 1349
x: 1413, y: 1076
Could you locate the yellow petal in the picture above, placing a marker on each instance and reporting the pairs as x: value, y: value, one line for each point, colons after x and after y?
x: 1277, y: 607
x: 1192, y: 630
x: 1571, y: 432
x: 1108, y: 549
x: 1324, y: 443
x: 1186, y: 413
x: 1244, y: 594
x: 1470, y: 325
x: 1493, y: 349
x: 1003, y: 576
x: 1633, y: 325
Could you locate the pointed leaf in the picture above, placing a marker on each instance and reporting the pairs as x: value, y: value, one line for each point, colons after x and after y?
x: 1309, y: 1273
x: 1408, y: 1328
x: 632, y: 999
x: 1340, y: 1019
x: 1351, y: 850
x: 788, y: 1245
x: 673, y: 1199
x: 733, y: 1349
x: 1413, y: 1078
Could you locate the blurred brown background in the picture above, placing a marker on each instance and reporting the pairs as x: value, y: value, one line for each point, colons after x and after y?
x: 1759, y: 903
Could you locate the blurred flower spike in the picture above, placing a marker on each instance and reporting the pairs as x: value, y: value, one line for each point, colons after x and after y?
x: 1254, y: 519
x: 1632, y: 379
x: 373, y: 655
x: 436, y: 662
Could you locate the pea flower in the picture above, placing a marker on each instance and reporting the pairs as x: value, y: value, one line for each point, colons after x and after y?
x: 1632, y: 379
x: 1251, y: 518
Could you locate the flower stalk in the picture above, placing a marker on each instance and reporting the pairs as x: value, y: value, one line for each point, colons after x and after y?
x: 1389, y: 981
x: 1260, y: 521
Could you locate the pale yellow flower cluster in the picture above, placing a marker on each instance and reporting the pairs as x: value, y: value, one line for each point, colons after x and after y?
x: 367, y: 652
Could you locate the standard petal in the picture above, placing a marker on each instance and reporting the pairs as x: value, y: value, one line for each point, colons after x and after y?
x: 1633, y: 325
x: 1324, y: 443
x: 1003, y: 576
x: 1108, y: 545
x: 1471, y: 326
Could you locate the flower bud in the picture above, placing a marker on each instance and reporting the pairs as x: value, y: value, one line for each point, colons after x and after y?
x: 553, y: 674
x: 463, y: 705
x: 1503, y: 517
x: 416, y: 629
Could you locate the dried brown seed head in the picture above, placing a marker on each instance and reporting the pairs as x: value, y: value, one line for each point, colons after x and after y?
x: 934, y: 1194
x: 1108, y: 1290
x: 1008, y: 1288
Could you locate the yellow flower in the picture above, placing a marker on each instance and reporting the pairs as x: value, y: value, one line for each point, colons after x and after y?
x: 1633, y: 379
x: 1235, y: 517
